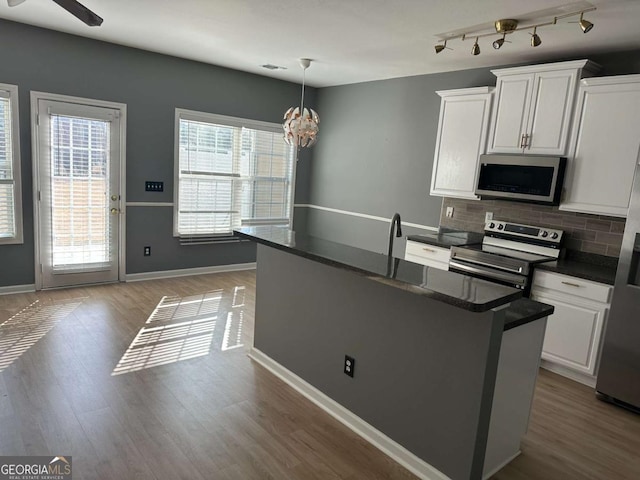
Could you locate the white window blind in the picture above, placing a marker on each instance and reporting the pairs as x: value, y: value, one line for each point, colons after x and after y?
x: 10, y: 198
x: 229, y: 172
x: 79, y: 192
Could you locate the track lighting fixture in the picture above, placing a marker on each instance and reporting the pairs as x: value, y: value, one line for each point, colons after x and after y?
x: 585, y: 25
x: 508, y: 26
x: 440, y: 47
x: 475, y: 50
x: 535, y: 38
x: 499, y: 42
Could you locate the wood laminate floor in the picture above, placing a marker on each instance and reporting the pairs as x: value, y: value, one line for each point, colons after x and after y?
x: 151, y: 380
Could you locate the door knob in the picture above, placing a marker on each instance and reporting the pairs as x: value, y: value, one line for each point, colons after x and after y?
x: 115, y: 211
x: 114, y: 197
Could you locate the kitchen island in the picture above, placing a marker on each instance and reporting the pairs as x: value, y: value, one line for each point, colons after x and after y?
x: 445, y: 364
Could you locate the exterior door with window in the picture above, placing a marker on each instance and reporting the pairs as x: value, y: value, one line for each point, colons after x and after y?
x: 78, y: 181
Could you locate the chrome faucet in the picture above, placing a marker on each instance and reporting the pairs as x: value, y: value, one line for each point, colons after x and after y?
x: 396, y: 228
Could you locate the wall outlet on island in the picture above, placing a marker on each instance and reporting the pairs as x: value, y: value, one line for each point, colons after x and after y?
x: 147, y: 251
x: 449, y: 212
x: 488, y: 216
x: 349, y: 365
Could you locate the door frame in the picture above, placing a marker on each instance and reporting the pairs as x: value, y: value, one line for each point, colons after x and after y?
x: 35, y: 153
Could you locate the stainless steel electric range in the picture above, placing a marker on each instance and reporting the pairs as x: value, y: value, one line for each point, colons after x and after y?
x: 508, y: 253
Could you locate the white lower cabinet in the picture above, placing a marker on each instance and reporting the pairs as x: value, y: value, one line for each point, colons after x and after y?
x: 429, y: 255
x: 575, y: 330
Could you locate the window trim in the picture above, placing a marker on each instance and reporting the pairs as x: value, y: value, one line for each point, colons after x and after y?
x: 205, y: 117
x: 11, y: 92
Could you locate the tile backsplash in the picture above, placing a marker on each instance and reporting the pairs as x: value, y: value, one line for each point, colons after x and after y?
x: 584, y: 232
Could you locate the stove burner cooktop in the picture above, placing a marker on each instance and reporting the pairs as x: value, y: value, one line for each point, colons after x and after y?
x: 508, y: 253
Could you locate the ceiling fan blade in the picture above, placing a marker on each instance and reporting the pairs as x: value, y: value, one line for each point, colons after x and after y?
x: 13, y: 3
x: 80, y: 11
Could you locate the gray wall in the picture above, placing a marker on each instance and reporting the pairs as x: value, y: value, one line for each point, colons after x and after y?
x: 152, y: 86
x: 375, y: 153
x: 424, y: 373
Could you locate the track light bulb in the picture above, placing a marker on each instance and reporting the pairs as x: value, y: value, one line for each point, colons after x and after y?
x: 475, y: 50
x: 585, y: 25
x: 535, y: 38
x: 498, y: 43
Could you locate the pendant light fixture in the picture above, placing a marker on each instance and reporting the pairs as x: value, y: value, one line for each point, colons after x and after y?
x: 301, y: 124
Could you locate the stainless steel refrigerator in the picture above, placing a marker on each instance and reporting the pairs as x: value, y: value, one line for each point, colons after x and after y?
x: 619, y: 374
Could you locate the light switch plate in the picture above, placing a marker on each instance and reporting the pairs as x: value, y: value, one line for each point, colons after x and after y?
x: 153, y: 186
x: 488, y: 216
x: 449, y: 212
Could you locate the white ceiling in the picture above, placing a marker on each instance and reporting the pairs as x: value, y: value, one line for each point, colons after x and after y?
x: 349, y: 40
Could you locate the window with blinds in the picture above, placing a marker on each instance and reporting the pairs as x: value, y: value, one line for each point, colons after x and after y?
x: 10, y: 197
x: 229, y: 172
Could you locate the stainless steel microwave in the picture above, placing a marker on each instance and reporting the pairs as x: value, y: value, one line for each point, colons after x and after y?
x: 522, y: 178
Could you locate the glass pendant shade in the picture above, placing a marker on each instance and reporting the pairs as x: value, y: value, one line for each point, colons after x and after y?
x: 300, y: 130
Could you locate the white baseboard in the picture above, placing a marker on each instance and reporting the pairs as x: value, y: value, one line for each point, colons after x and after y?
x: 588, y: 380
x: 487, y: 476
x: 17, y: 289
x: 397, y: 452
x: 185, y: 272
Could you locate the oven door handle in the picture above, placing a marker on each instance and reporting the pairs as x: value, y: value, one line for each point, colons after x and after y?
x: 514, y: 278
x: 490, y: 265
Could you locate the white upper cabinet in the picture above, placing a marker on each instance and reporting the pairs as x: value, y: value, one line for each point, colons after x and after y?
x: 533, y: 107
x: 462, y: 135
x: 605, y: 141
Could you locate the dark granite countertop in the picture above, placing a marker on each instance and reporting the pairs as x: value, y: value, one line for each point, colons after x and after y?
x: 596, y: 268
x: 524, y: 311
x: 448, y: 239
x: 465, y: 292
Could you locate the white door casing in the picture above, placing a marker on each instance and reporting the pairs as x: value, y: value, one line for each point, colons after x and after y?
x: 79, y: 164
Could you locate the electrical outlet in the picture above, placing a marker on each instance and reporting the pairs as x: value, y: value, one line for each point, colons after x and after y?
x: 147, y: 251
x: 488, y: 216
x: 349, y: 365
x: 449, y: 212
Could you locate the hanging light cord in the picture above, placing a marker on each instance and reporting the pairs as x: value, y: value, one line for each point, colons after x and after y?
x: 304, y: 72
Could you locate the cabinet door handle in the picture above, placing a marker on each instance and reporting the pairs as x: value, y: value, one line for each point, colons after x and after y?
x: 572, y: 284
x: 523, y: 141
x: 429, y: 250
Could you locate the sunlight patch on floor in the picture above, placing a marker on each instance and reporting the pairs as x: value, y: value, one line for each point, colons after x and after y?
x: 155, y: 346
x: 175, y: 308
x: 182, y: 328
x: 24, y: 329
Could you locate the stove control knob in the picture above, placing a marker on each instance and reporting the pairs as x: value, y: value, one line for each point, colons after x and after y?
x: 492, y: 225
x: 500, y: 227
x: 554, y: 235
x: 545, y: 234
